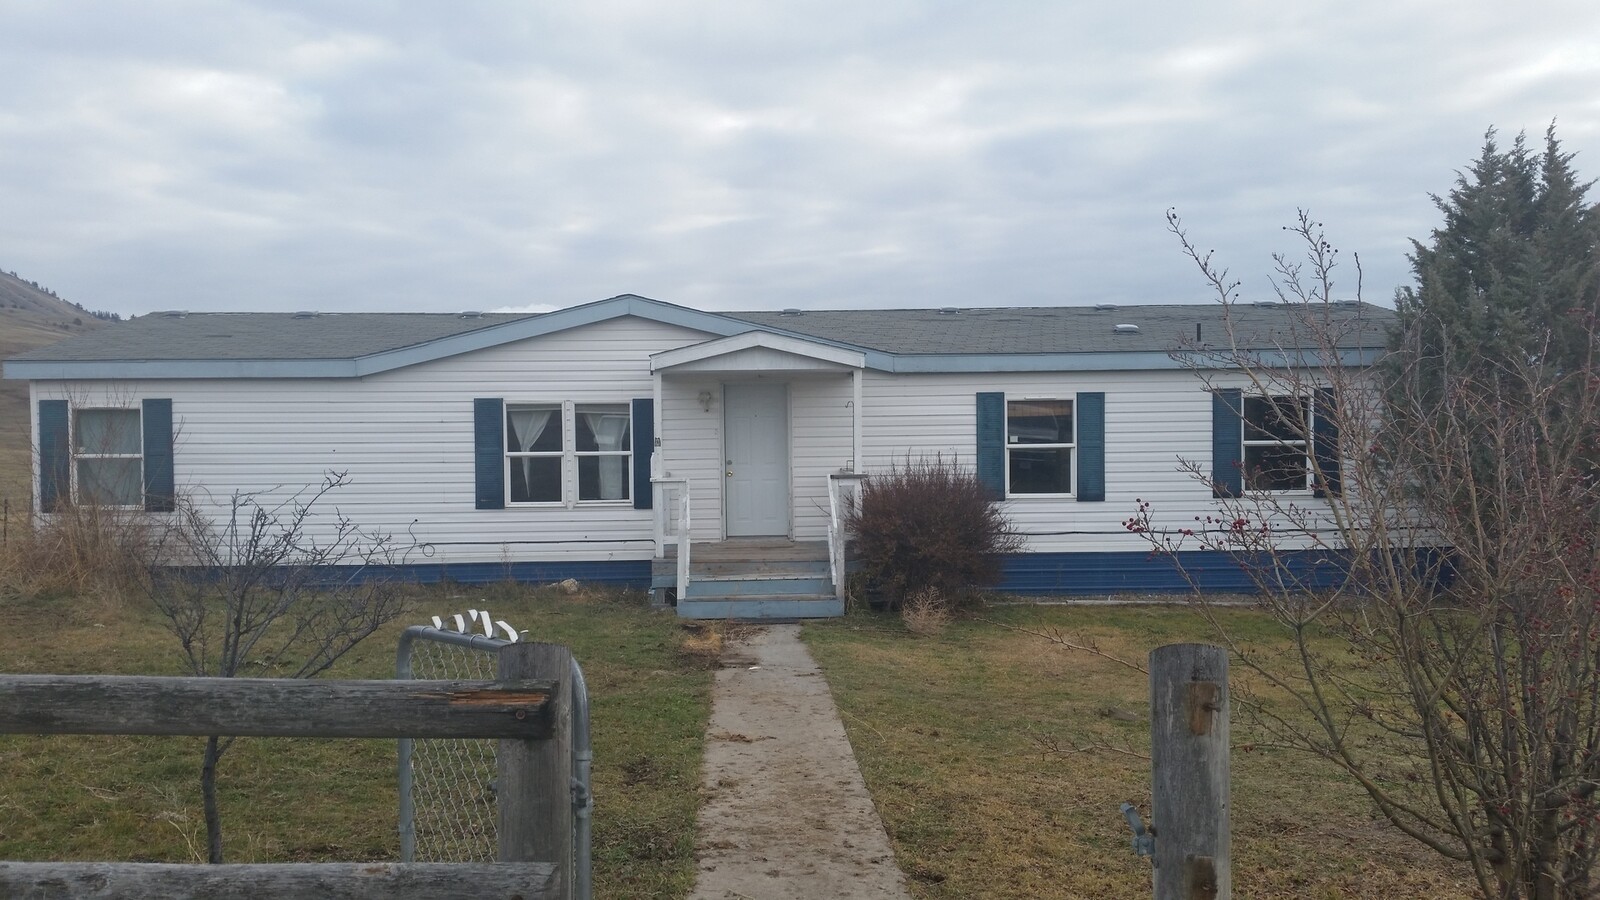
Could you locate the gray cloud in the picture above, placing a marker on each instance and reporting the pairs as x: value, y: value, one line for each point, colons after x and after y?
x: 235, y: 155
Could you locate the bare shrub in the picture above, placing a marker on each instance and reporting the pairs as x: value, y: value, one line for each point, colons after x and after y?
x: 1449, y: 660
x: 276, y: 588
x: 928, y: 523
x: 926, y: 612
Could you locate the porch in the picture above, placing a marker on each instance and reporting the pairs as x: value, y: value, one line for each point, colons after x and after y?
x: 756, y: 449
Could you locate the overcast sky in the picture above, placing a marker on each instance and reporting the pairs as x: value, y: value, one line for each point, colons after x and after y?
x: 225, y: 155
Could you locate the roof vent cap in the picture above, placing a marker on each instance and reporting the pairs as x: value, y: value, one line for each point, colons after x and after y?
x: 307, y: 314
x: 1265, y: 304
x: 472, y: 314
x: 173, y: 313
x: 948, y: 311
x: 791, y: 311
x: 1125, y: 328
x: 1105, y: 306
x: 1347, y: 303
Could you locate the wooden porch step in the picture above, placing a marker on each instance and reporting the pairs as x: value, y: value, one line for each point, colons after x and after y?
x: 754, y: 550
x: 762, y: 608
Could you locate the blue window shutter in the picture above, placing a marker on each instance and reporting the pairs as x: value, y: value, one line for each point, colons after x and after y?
x: 55, y: 457
x: 1325, y: 443
x: 160, y: 489
x: 992, y: 442
x: 644, y: 443
x: 1091, y: 415
x: 1227, y: 442
x: 489, y: 451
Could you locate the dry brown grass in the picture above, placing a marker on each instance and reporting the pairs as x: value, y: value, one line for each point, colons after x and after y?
x: 703, y: 641
x: 82, y: 551
x: 137, y: 798
x: 970, y: 744
x: 926, y: 612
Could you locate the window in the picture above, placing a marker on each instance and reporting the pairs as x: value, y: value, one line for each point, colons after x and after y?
x: 1276, y: 443
x: 1039, y: 447
x: 603, y: 450
x: 533, y: 452
x: 108, y: 457
x: 545, y: 441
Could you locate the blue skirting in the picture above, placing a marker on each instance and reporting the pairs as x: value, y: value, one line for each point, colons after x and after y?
x: 1026, y: 573
x: 1142, y: 572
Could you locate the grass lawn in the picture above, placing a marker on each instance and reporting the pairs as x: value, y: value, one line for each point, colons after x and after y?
x: 138, y: 798
x: 951, y: 731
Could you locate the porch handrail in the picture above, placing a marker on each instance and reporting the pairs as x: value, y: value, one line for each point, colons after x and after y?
x: 836, y: 530
x: 658, y: 503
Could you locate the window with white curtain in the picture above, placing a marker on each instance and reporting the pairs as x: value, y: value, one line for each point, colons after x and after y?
x: 534, y: 453
x: 108, y: 456
x: 604, y: 446
x: 545, y: 441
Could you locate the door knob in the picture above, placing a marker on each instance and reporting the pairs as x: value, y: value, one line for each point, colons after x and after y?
x: 730, y: 473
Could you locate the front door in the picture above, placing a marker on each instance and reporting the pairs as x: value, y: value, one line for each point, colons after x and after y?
x: 756, y: 446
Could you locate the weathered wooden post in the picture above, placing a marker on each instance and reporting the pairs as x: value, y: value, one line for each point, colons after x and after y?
x: 1189, y: 771
x: 534, y: 779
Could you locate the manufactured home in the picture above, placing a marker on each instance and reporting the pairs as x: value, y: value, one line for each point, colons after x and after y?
x: 706, y: 455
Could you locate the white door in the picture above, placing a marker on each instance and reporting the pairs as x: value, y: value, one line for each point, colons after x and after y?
x: 756, y: 447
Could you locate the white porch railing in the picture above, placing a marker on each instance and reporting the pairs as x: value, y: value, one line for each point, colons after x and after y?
x: 842, y: 490
x: 667, y: 492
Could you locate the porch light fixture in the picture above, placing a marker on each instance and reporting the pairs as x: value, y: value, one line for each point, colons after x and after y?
x: 705, y: 400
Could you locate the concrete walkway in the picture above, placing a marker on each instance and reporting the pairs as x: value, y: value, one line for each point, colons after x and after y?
x: 786, y: 813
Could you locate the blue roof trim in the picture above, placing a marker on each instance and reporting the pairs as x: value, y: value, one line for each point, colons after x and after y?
x: 89, y: 370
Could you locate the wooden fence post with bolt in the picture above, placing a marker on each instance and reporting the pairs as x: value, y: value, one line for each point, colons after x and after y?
x: 1189, y: 772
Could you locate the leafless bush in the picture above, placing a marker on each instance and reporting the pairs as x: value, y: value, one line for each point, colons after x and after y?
x: 928, y: 523
x: 1446, y: 634
x: 278, y: 588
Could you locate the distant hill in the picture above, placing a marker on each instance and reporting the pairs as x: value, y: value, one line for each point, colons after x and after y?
x: 30, y: 316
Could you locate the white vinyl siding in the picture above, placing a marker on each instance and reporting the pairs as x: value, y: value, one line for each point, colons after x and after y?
x: 405, y: 438
x: 1153, y: 422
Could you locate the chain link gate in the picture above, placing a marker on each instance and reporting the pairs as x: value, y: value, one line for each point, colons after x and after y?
x: 447, y: 787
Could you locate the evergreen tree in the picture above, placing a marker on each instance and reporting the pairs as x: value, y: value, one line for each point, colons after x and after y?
x: 1512, y: 267
x: 1505, y: 305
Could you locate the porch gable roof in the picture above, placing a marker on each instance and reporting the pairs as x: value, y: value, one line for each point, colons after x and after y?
x: 829, y: 356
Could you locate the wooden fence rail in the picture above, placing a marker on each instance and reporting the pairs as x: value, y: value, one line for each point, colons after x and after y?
x: 273, y: 707
x: 527, y: 712
x: 276, y: 881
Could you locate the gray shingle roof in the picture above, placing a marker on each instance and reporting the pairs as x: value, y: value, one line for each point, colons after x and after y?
x: 237, y: 336
x: 1070, y: 329
x: 286, y: 337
